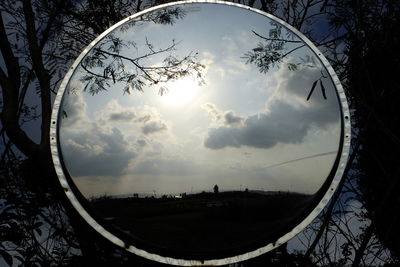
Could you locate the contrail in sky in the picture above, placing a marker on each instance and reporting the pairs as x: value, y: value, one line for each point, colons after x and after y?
x: 308, y: 157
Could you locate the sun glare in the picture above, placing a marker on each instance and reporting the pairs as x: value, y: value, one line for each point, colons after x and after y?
x: 180, y: 92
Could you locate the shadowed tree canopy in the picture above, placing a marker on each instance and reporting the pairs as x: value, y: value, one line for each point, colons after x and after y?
x: 374, y: 64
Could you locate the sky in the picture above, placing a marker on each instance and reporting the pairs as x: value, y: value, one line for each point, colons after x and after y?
x: 239, y: 129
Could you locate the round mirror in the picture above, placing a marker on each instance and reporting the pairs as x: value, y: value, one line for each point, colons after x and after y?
x: 200, y: 133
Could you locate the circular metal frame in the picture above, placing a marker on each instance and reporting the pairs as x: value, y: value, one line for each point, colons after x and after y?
x: 68, y: 188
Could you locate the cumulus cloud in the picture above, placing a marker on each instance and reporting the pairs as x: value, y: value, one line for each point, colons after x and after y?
x: 288, y: 117
x: 88, y: 144
x: 228, y: 117
x: 95, y: 152
x: 144, y: 118
x: 98, y: 145
x: 126, y: 115
x: 262, y: 130
x: 154, y: 126
x: 231, y: 118
x: 212, y: 110
x: 141, y: 142
x: 74, y: 111
x: 147, y: 120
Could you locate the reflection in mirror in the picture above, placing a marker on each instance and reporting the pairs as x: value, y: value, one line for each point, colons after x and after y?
x: 199, y: 135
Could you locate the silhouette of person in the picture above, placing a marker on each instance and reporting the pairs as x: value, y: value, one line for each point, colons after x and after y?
x: 216, y: 189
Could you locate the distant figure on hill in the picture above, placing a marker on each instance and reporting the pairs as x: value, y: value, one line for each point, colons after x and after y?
x: 216, y: 189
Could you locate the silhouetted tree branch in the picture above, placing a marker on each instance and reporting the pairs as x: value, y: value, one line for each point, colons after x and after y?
x: 106, y: 64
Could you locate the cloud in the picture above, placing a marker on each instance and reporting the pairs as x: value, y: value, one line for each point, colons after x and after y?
x: 105, y: 143
x: 232, y: 119
x: 126, y: 115
x: 229, y: 43
x: 213, y: 110
x: 233, y: 47
x: 261, y: 131
x: 228, y: 117
x: 154, y: 126
x: 147, y: 120
x: 144, y: 118
x: 141, y: 142
x: 288, y: 117
x: 96, y: 152
x: 208, y: 60
x: 74, y: 111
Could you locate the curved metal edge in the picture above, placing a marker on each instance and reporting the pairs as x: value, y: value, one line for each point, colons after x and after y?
x: 182, y: 262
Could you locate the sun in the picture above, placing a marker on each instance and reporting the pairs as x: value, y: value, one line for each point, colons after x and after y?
x: 180, y: 92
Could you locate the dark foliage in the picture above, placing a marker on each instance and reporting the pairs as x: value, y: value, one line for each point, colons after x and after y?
x: 374, y: 65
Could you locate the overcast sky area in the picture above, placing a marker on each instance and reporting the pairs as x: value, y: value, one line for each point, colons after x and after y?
x: 235, y: 130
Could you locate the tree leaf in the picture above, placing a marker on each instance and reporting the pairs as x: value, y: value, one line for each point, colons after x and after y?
x: 38, y: 231
x: 322, y: 89
x: 312, y: 90
x: 7, y: 257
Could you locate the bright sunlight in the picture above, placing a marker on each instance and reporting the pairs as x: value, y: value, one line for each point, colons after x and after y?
x: 180, y: 92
